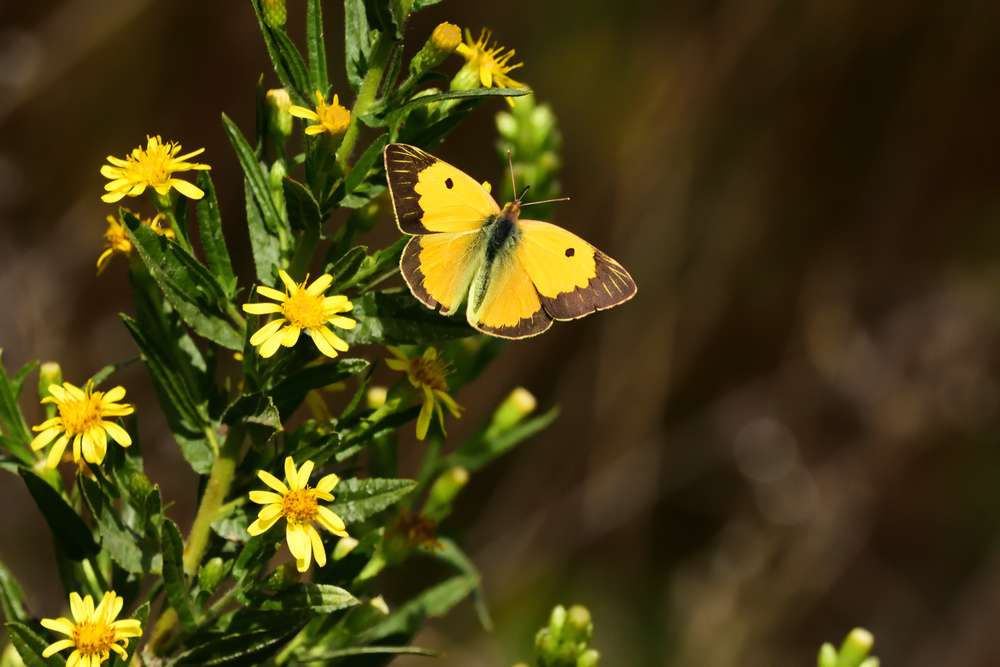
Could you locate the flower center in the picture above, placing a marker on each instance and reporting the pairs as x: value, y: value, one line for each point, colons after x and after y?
x: 299, y: 505
x: 151, y: 165
x: 93, y: 638
x: 430, y: 372
x: 304, y: 310
x: 80, y: 415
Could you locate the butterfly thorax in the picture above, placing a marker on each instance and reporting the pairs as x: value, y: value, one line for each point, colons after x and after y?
x: 502, y: 231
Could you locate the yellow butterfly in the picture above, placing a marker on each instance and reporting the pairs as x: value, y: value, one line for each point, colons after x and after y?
x: 518, y: 275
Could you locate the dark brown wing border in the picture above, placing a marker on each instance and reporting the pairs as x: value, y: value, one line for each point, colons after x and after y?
x: 403, y: 165
x: 610, y: 286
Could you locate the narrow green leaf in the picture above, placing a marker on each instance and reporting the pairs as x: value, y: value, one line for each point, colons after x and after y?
x: 433, y: 602
x: 293, y: 63
x: 258, y: 550
x: 290, y: 392
x: 277, y: 59
x: 243, y: 648
x: 265, y: 246
x: 480, y: 449
x: 66, y: 525
x: 128, y: 549
x: 30, y: 647
x: 344, y: 268
x: 420, y: 4
x: 462, y: 94
x: 364, y: 164
x: 399, y: 319
x: 372, y: 650
x: 103, y: 374
x: 10, y: 411
x: 318, y: 597
x: 11, y: 597
x: 376, y: 263
x: 258, y: 413
x: 454, y: 556
x: 174, y: 578
x: 317, y: 46
x: 17, y: 382
x: 303, y: 209
x: 259, y: 183
x: 380, y: 17
x: 357, y: 42
x: 210, y: 224
x: 358, y: 499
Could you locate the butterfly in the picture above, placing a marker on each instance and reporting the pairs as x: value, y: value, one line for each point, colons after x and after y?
x: 516, y: 276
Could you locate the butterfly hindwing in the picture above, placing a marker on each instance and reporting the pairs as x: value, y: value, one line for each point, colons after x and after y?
x: 572, y: 277
x: 502, y: 300
x: 430, y: 196
x: 439, y: 268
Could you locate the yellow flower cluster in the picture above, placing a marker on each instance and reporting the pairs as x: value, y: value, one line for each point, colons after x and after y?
x: 93, y: 632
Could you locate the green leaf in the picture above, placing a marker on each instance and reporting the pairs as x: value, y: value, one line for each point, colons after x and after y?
x: 11, y: 597
x: 376, y: 263
x: 278, y: 54
x: 316, y: 46
x: 259, y: 181
x: 265, y: 245
x: 454, y: 556
x: 433, y: 602
x: 358, y: 499
x: 190, y: 289
x: 461, y: 95
x: 244, y: 648
x: 17, y: 382
x: 303, y: 209
x: 319, y: 597
x: 66, y: 525
x: 290, y: 392
x: 210, y: 224
x: 380, y: 17
x: 420, y: 4
x: 362, y: 195
x: 30, y: 647
x: 259, y: 549
x: 481, y: 449
x: 399, y: 319
x: 10, y: 411
x: 174, y: 579
x: 344, y: 268
x: 357, y: 42
x: 293, y: 64
x: 129, y: 550
x: 364, y: 164
x: 258, y: 413
x: 371, y: 650
x: 103, y: 374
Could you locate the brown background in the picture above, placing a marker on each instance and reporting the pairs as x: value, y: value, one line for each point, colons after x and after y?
x: 792, y: 430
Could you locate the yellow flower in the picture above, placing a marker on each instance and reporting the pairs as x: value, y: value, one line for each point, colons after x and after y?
x: 491, y: 63
x: 301, y: 308
x: 95, y: 633
x: 119, y: 242
x: 150, y: 168
x: 334, y: 119
x: 446, y: 37
x: 81, y: 415
x: 297, y: 503
x: 428, y: 374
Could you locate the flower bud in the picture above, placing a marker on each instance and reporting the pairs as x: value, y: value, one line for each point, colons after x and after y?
x: 366, y: 615
x: 443, y: 42
x: 375, y: 398
x: 49, y: 373
x: 274, y: 12
x: 279, y: 121
x: 557, y: 619
x: 210, y: 575
x: 856, y: 647
x: 445, y: 488
x: 344, y: 546
x: 519, y: 404
x: 827, y: 656
x: 588, y: 658
x: 578, y: 627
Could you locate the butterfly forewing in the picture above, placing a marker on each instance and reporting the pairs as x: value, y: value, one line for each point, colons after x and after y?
x: 430, y: 196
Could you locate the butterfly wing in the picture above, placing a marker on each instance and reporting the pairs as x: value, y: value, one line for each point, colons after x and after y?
x: 573, y: 278
x: 502, y: 300
x: 429, y: 195
x: 439, y: 267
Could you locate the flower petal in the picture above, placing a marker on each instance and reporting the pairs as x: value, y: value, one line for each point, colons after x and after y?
x: 290, y: 473
x: 119, y: 434
x: 78, y: 608
x: 52, y: 649
x: 272, y: 481
x: 45, y: 437
x: 291, y: 336
x: 271, y: 345
x: 304, y: 473
x: 319, y: 285
x: 56, y: 453
x: 290, y: 284
x: 265, y: 497
x: 114, y: 395
x: 189, y: 190
x: 298, y: 541
x: 63, y: 625
x: 261, y: 308
x: 424, y: 420
x: 322, y: 344
x: 266, y: 331
x: 327, y: 483
x: 317, y: 546
x: 330, y: 521
x: 270, y: 293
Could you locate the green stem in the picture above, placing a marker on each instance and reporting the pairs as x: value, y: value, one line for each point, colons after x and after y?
x: 369, y: 88
x: 303, y: 254
x: 215, y: 494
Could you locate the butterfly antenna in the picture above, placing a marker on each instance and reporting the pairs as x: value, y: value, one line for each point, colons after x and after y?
x: 513, y: 185
x: 544, y: 201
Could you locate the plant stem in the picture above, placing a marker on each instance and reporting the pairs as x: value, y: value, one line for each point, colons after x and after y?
x: 303, y: 254
x: 369, y: 88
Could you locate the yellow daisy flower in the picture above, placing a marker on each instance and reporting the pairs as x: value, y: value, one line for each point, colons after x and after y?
x: 334, y: 118
x: 301, y: 308
x: 491, y: 64
x: 150, y: 168
x: 95, y: 633
x: 428, y: 374
x: 297, y: 503
x: 81, y: 415
x: 119, y: 243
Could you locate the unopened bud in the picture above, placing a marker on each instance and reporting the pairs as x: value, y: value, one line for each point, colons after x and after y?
x: 446, y: 37
x: 588, y: 658
x: 344, y: 546
x: 518, y: 405
x: 856, y: 647
x: 445, y: 488
x: 49, y: 373
x: 578, y: 627
x: 827, y: 656
x: 274, y: 12
x: 279, y: 121
x: 375, y: 398
x: 366, y: 615
x: 210, y: 575
x: 557, y: 620
x: 443, y: 42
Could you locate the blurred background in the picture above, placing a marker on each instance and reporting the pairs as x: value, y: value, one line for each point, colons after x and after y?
x: 792, y: 430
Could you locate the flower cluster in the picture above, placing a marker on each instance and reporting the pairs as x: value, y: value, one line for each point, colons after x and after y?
x: 150, y: 168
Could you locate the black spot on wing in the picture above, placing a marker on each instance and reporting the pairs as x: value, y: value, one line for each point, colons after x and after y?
x: 610, y: 286
x: 570, y: 252
x: 448, y: 183
x: 403, y: 165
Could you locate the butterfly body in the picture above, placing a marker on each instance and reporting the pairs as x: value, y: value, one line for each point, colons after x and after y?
x: 515, y: 276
